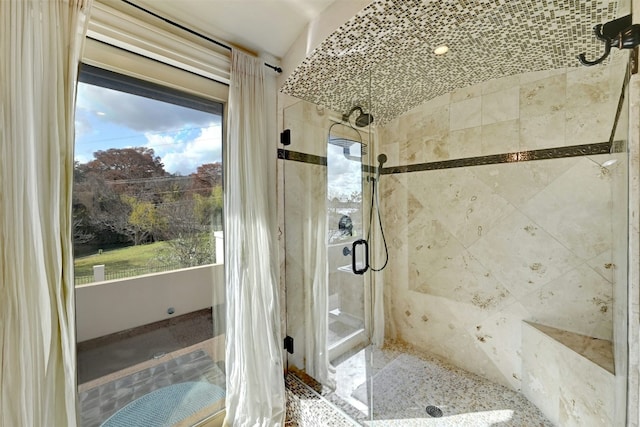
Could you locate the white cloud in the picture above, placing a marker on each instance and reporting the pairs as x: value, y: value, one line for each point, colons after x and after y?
x: 344, y: 176
x: 184, y: 157
x: 137, y: 112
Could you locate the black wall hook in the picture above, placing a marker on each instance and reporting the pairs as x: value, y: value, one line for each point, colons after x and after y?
x: 620, y: 33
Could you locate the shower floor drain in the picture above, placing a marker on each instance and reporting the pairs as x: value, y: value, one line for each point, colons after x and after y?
x: 434, y: 411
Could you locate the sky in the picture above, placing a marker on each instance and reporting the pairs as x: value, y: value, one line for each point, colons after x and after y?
x: 344, y: 176
x: 183, y: 138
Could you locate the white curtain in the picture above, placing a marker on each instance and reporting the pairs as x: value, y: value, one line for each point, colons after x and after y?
x: 40, y: 44
x: 255, y: 382
x: 315, y: 273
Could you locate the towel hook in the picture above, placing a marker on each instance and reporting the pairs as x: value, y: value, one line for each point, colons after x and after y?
x: 620, y: 33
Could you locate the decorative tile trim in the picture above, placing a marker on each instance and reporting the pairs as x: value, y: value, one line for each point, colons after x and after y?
x: 315, y: 160
x: 520, y: 156
x: 514, y: 157
x: 301, y: 157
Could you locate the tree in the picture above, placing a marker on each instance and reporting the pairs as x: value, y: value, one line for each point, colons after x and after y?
x: 99, y: 185
x: 206, y: 177
x: 144, y: 220
x: 208, y: 210
x: 189, y: 240
x: 126, y: 163
x: 98, y: 210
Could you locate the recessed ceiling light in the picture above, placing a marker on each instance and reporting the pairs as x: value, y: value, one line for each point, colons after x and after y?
x: 441, y: 50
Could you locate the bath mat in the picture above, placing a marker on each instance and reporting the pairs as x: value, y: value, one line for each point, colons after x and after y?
x: 99, y: 403
x: 166, y: 406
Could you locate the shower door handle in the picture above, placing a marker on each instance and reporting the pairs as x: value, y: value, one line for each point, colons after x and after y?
x: 354, y: 265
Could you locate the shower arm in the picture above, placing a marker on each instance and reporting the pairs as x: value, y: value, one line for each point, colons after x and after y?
x: 346, y: 117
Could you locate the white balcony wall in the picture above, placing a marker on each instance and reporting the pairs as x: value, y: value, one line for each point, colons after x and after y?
x: 117, y: 305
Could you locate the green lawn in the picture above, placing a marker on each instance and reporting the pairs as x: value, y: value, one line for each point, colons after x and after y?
x: 119, y: 259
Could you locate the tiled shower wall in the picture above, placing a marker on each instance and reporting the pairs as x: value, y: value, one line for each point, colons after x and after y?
x: 476, y: 250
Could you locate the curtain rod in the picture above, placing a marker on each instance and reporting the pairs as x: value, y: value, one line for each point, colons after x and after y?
x: 193, y: 32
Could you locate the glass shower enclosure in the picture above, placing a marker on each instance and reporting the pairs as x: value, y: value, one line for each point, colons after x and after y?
x: 507, y: 242
x: 325, y: 193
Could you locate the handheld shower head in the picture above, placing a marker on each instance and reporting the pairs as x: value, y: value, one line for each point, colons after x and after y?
x: 382, y: 158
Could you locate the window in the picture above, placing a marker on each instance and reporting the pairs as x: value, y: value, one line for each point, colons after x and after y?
x: 147, y: 217
x: 148, y: 178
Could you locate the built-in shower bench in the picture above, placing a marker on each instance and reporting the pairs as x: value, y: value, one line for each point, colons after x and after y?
x: 568, y: 376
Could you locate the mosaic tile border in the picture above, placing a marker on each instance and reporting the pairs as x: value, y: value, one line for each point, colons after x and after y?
x: 296, y: 156
x: 493, y: 159
x: 312, y: 159
x: 515, y: 157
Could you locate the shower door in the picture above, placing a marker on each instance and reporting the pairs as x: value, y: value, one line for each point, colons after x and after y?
x: 346, y: 240
x: 321, y: 198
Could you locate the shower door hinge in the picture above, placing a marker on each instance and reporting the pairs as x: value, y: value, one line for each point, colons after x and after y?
x: 288, y: 344
x: 285, y: 137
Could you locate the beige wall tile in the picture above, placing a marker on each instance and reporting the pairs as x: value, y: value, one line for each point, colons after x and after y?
x: 501, y: 84
x: 465, y: 143
x: 519, y: 182
x: 540, y: 372
x: 466, y: 114
x: 543, y: 131
x: 577, y: 216
x: 588, y: 86
x: 466, y: 93
x: 500, y: 338
x: 501, y: 106
x: 579, y: 301
x: 589, y: 124
x: 543, y: 96
x: 522, y: 255
x: 501, y: 137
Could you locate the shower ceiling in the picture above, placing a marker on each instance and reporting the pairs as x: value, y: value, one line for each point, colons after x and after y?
x: 387, y: 48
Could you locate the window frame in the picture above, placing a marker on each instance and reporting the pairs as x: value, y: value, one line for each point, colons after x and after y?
x: 111, y: 58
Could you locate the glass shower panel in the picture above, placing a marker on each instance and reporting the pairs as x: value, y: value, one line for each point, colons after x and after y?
x: 323, y: 193
x: 617, y: 167
x: 345, y: 228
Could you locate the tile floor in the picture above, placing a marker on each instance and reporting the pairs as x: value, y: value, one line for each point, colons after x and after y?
x: 405, y: 382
